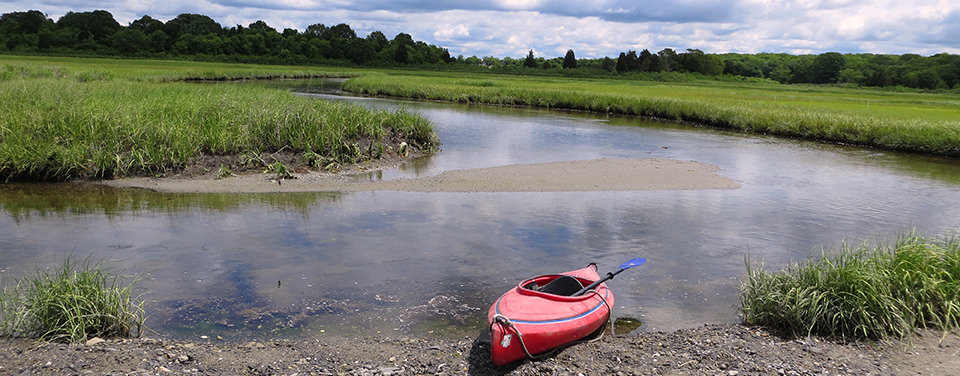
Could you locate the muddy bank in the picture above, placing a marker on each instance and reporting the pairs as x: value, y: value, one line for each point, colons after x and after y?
x: 589, y: 175
x: 710, y: 350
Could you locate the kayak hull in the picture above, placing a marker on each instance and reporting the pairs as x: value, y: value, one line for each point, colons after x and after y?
x: 526, y: 322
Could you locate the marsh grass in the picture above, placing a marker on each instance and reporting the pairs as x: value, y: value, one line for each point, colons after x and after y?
x: 78, y: 301
x: 914, y: 122
x: 862, y: 292
x: 59, y: 128
x: 87, y: 69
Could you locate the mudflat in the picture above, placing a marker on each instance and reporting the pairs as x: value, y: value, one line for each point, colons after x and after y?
x: 608, y: 174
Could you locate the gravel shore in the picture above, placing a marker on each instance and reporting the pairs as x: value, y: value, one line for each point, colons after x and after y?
x: 729, y: 350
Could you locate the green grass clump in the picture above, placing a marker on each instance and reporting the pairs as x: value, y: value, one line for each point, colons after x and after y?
x: 73, y: 303
x: 860, y: 293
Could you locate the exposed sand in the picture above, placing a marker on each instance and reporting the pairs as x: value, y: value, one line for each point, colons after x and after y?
x: 590, y: 175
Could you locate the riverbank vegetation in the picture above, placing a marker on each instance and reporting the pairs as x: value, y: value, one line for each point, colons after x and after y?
x: 861, y: 292
x: 912, y: 122
x: 198, y: 37
x: 84, y: 119
x: 76, y: 302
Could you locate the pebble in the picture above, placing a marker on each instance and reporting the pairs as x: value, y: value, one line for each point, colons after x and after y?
x: 685, y: 352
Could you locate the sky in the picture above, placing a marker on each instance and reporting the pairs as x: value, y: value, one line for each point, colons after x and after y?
x: 591, y: 28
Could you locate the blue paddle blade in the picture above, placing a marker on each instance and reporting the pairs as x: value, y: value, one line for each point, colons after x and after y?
x: 635, y: 262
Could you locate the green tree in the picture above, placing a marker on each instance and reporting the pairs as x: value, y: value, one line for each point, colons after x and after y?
x: 260, y: 27
x: 27, y: 31
x: 826, y: 68
x: 159, y: 41
x: 742, y: 65
x: 628, y: 62
x: 607, y: 64
x: 359, y: 51
x: 570, y: 60
x: 668, y: 60
x: 188, y: 23
x: 316, y: 30
x: 530, y: 61
x: 95, y: 26
x: 146, y: 24
x: 879, y: 78
x: 851, y: 76
x: 378, y: 41
x: 130, y: 42
x: 648, y: 62
x: 402, y: 43
x: 341, y: 31
x: 29, y: 22
x: 696, y: 61
x: 445, y: 56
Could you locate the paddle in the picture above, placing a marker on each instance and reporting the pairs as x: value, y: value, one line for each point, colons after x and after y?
x: 627, y: 265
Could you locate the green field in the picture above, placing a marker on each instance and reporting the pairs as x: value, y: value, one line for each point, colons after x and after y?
x: 68, y: 118
x: 912, y: 122
x: 152, y: 70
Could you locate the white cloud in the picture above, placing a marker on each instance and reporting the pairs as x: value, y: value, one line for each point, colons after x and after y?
x: 591, y: 28
x: 448, y: 32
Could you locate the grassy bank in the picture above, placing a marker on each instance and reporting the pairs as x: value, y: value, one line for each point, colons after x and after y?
x: 73, y: 303
x: 912, y: 122
x: 863, y: 292
x: 87, y: 120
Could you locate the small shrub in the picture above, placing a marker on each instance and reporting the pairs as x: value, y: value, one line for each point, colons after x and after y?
x: 312, y: 159
x: 862, y: 293
x: 280, y: 170
x: 224, y: 172
x: 73, y: 303
x: 251, y: 159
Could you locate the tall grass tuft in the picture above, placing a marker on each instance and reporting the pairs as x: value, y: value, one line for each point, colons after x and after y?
x: 861, y: 293
x: 73, y: 303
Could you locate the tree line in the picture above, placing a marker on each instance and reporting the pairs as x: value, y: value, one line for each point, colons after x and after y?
x: 200, y: 37
x: 937, y: 72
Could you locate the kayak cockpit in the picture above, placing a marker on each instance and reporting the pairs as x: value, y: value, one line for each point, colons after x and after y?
x: 554, y: 287
x: 562, y: 285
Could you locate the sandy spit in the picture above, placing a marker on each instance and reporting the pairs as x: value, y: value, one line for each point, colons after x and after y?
x: 606, y: 174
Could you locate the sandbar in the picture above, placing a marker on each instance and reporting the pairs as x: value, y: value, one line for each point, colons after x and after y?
x: 607, y: 174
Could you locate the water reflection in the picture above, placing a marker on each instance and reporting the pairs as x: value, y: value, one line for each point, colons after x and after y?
x: 21, y: 201
x: 268, y: 264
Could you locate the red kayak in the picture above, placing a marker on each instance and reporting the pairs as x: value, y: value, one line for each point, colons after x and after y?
x: 541, y: 314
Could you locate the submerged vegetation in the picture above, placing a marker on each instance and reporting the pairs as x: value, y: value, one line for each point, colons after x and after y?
x: 60, y: 123
x: 76, y: 302
x: 912, y: 122
x: 860, y: 293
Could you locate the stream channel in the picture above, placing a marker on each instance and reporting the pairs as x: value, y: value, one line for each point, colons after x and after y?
x: 240, y: 266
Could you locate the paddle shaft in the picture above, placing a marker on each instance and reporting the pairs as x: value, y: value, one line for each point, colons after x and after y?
x: 597, y: 283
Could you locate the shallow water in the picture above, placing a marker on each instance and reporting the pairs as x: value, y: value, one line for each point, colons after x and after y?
x: 246, y: 265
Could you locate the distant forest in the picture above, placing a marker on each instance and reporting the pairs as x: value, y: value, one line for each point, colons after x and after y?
x: 198, y: 37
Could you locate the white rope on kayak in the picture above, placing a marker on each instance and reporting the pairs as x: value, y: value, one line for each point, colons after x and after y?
x: 504, y: 320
